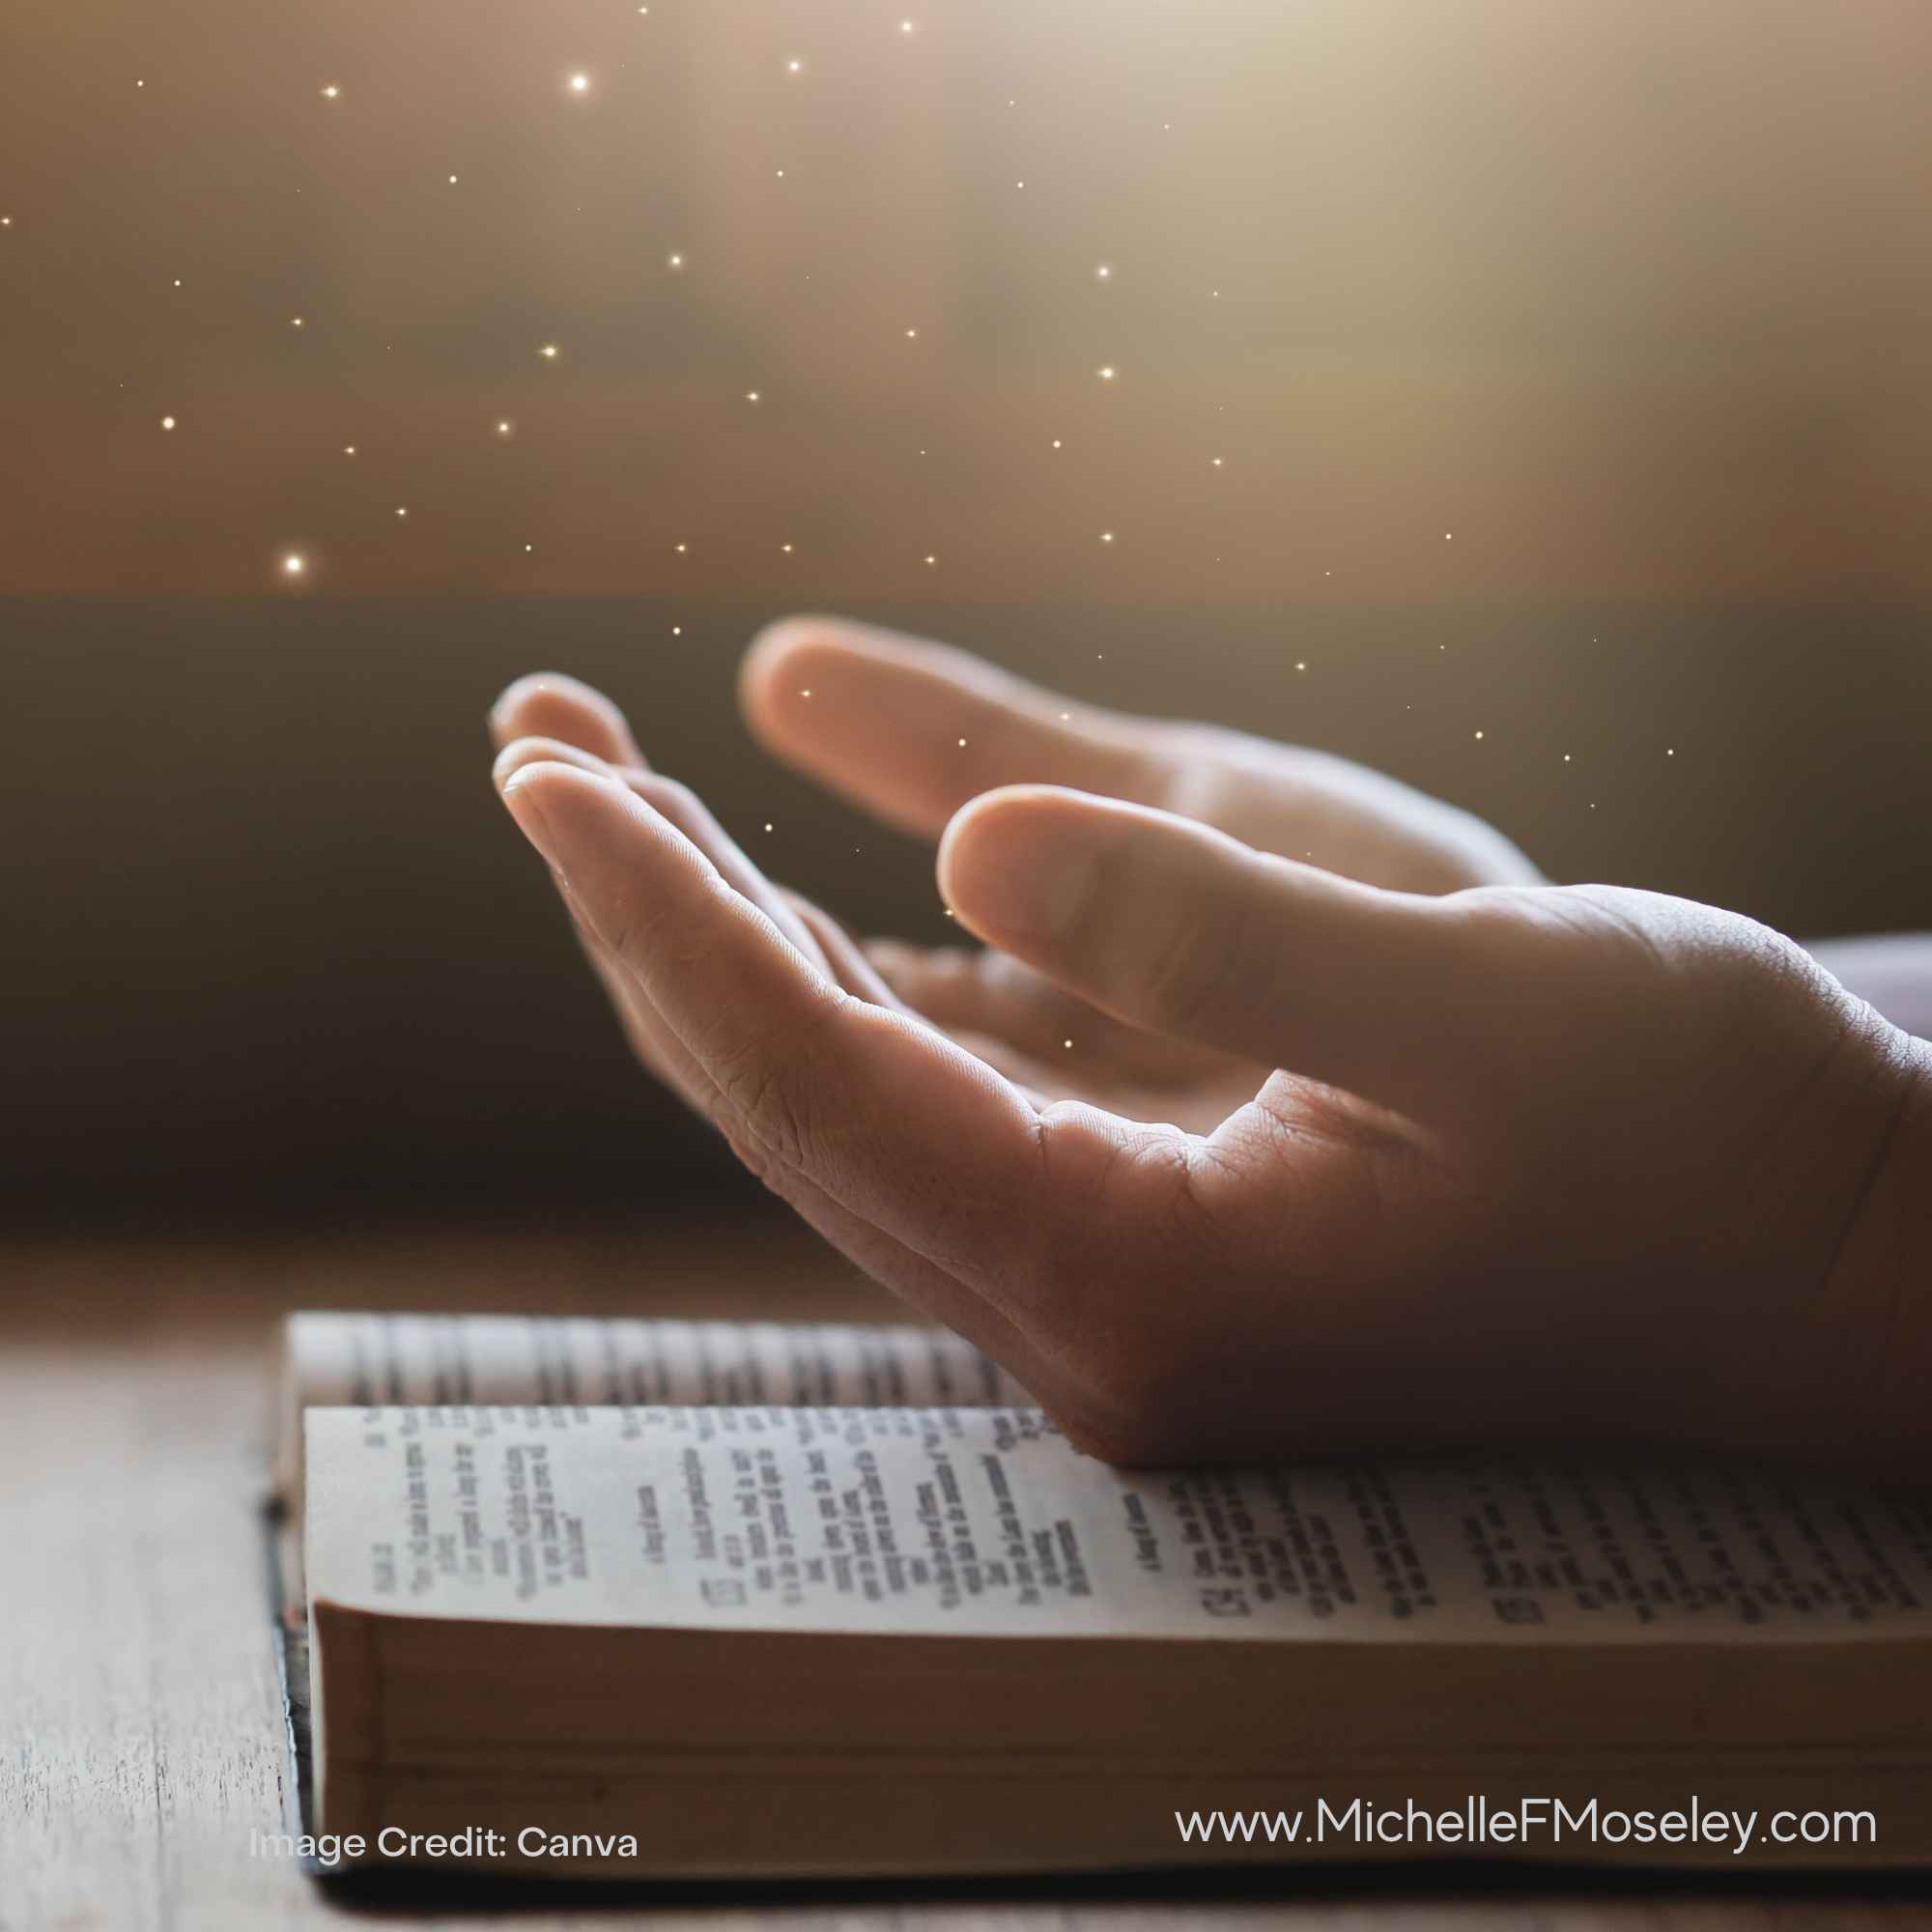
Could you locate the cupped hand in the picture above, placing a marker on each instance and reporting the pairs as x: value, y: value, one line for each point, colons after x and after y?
x: 911, y: 730
x: 1528, y: 1163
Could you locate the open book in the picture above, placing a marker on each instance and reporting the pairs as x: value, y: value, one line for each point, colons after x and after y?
x: 640, y: 1598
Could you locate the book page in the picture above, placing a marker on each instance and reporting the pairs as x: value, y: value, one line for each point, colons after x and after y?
x: 987, y: 1523
x: 360, y: 1360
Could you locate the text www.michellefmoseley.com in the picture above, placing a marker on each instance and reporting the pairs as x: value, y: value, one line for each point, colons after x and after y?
x: 1527, y: 1821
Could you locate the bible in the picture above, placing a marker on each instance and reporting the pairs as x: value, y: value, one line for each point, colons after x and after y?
x: 690, y: 1600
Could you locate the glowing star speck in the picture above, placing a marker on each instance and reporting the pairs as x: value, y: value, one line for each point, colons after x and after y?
x: 167, y: 422
x: 293, y: 565
x: 675, y: 260
x: 1107, y: 372
x: 332, y: 92
x: 548, y: 352
x: 579, y: 83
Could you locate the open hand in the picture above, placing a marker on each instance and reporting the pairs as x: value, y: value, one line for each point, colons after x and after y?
x: 1464, y: 1161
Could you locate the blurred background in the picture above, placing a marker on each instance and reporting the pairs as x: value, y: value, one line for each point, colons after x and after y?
x: 1534, y: 400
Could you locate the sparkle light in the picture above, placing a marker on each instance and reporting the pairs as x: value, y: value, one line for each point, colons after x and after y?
x: 294, y: 564
x: 548, y: 352
x: 682, y: 547
x: 786, y: 548
x: 751, y: 395
x: 348, y: 450
x: 1106, y: 536
x: 1105, y: 372
x: 167, y: 422
x: 1103, y: 271
x: 579, y: 83
x: 505, y: 427
x: 452, y: 180
x: 675, y: 260
x: 794, y: 67
x: 294, y: 322
x: 905, y: 26
x: 402, y: 510
x: 332, y: 92
x: 910, y: 334
x: 932, y: 559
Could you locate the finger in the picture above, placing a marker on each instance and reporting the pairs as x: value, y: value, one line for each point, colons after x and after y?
x: 547, y: 704
x: 887, y: 1260
x: 911, y: 730
x: 989, y: 992
x: 650, y: 1040
x: 889, y: 1119
x: 843, y: 955
x: 1168, y: 924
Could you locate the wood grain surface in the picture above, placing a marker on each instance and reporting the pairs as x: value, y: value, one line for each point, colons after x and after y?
x: 140, y: 1738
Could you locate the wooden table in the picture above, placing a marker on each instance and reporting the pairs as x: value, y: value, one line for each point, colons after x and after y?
x: 139, y: 1718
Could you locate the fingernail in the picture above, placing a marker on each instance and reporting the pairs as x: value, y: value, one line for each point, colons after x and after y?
x: 520, y: 797
x: 522, y: 753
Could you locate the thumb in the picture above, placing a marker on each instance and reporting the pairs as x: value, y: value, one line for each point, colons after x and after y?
x: 1171, y: 925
